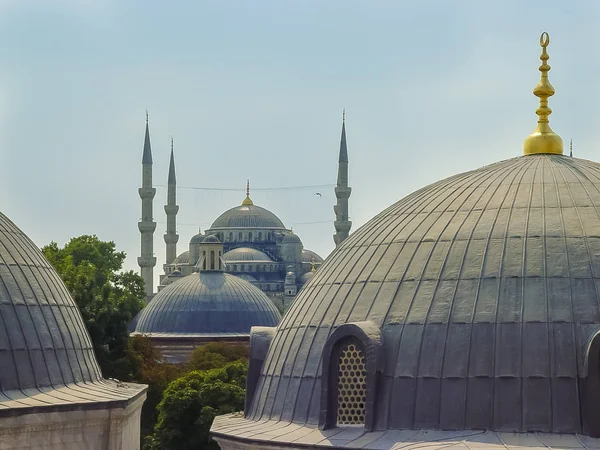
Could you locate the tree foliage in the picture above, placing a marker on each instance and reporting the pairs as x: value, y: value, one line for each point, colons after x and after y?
x: 107, y: 298
x: 190, y: 404
x: 217, y: 354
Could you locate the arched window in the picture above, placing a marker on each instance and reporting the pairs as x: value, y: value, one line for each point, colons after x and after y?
x: 220, y: 260
x: 240, y: 236
x: 260, y: 235
x: 212, y: 260
x: 250, y: 236
x: 204, y: 260
x: 351, y: 383
x: 230, y: 236
x: 235, y: 268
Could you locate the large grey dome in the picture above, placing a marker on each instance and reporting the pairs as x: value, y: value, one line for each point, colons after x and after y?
x: 208, y: 303
x: 43, y: 340
x: 245, y: 254
x: 485, y: 287
x: 247, y: 216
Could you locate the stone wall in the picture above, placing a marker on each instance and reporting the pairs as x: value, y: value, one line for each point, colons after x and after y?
x: 82, y: 429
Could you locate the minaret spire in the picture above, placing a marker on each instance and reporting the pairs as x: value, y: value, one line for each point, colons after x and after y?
x: 146, y: 225
x: 571, y: 148
x: 171, y: 209
x: 342, y: 191
x: 543, y: 139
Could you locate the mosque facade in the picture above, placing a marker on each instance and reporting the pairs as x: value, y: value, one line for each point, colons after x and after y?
x: 257, y: 246
x: 466, y: 315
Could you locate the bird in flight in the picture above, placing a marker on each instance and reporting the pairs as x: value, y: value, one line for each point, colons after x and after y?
x: 319, y: 194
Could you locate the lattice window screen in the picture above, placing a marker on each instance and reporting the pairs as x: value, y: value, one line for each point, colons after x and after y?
x: 352, y: 385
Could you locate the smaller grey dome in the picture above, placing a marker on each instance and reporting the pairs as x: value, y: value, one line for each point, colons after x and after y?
x: 208, y: 303
x: 305, y: 278
x: 197, y: 239
x: 291, y: 238
x: 245, y: 254
x: 308, y: 255
x: 211, y: 239
x: 184, y: 258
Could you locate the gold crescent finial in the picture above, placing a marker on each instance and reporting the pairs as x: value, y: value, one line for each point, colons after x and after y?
x: 312, y: 265
x: 247, y: 200
x: 543, y: 139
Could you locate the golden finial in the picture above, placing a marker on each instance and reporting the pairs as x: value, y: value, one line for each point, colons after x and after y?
x: 247, y: 200
x: 543, y: 139
x: 312, y: 265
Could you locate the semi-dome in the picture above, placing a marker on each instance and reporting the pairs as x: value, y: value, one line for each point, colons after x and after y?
x: 247, y: 216
x: 211, y: 239
x: 183, y: 258
x: 308, y: 255
x: 245, y: 254
x: 486, y: 289
x: 207, y: 303
x: 197, y: 238
x: 46, y: 358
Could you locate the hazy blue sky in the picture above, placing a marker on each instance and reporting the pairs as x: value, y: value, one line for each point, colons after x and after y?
x: 255, y: 89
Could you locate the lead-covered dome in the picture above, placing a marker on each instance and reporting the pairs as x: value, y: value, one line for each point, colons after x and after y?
x: 246, y: 254
x: 485, y: 287
x: 43, y: 340
x: 247, y: 216
x: 207, y: 303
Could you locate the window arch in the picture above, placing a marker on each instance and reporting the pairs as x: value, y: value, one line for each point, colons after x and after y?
x: 351, y: 365
x: 235, y: 268
x: 240, y: 236
x: 260, y: 235
x: 231, y: 236
x: 220, y: 267
x: 250, y: 236
x: 351, y: 383
x: 204, y: 260
x: 212, y: 260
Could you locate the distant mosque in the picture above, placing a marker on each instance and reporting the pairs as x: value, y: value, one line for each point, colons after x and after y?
x: 257, y: 246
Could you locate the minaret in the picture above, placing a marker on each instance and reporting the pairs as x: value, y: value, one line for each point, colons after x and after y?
x: 147, y: 261
x: 171, y: 208
x: 342, y: 191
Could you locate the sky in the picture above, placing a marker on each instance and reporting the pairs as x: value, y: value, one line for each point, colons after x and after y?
x: 255, y: 90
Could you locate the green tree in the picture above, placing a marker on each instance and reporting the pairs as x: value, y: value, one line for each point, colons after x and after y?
x: 107, y: 298
x: 217, y: 354
x: 190, y: 404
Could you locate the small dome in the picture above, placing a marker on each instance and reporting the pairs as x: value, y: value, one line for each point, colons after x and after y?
x: 308, y: 255
x: 247, y: 216
x: 245, y: 254
x: 208, y: 303
x: 211, y: 239
x: 184, y: 258
x: 197, y: 239
x: 305, y: 278
x: 291, y: 238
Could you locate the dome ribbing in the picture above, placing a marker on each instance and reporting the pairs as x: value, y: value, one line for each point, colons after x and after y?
x: 247, y: 216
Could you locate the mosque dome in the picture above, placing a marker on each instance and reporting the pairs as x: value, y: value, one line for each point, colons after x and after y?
x: 247, y: 216
x: 183, y: 258
x: 306, y: 277
x: 308, y: 255
x: 211, y: 239
x: 197, y: 238
x: 245, y: 254
x: 471, y: 304
x: 485, y: 286
x: 47, y: 360
x: 207, y: 303
x: 291, y: 238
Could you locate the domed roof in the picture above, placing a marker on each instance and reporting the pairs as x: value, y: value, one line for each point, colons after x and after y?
x: 43, y: 338
x: 183, y: 258
x: 208, y: 303
x: 291, y: 238
x: 46, y: 357
x: 308, y: 255
x: 485, y: 287
x: 211, y: 239
x: 197, y: 238
x: 306, y: 277
x: 247, y: 216
x: 245, y: 254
